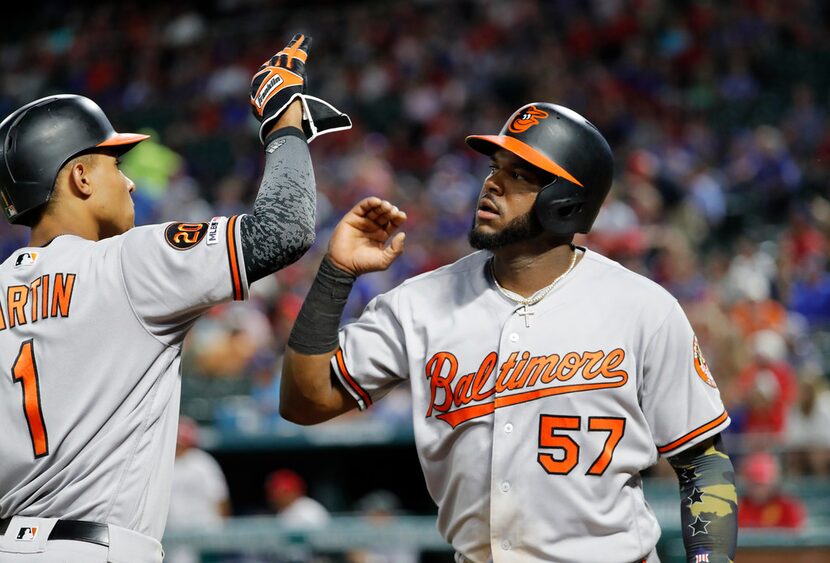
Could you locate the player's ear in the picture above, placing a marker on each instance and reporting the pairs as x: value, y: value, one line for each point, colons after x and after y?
x: 77, y: 175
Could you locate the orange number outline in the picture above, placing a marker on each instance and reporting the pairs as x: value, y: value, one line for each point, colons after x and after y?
x: 24, y: 371
x: 548, y: 439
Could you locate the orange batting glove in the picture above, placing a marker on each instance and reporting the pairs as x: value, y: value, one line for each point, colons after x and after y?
x: 279, y: 81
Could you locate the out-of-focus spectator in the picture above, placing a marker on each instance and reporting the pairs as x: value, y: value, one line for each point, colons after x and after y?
x: 755, y: 314
x: 200, y: 491
x: 802, y: 240
x: 767, y: 388
x: 677, y: 268
x: 199, y: 498
x: 748, y: 280
x: 225, y: 343
x: 763, y: 504
x: 808, y: 437
x: 380, y: 509
x: 810, y: 293
x: 286, y: 494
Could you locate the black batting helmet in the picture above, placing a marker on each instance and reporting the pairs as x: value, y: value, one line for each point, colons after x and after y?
x: 39, y: 138
x: 562, y: 142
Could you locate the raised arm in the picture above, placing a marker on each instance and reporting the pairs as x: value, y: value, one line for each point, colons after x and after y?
x: 362, y: 242
x: 281, y: 227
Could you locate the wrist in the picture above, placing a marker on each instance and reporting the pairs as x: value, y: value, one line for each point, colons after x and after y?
x: 335, y: 274
x: 292, y: 116
x: 317, y: 324
x: 280, y: 133
x: 335, y: 267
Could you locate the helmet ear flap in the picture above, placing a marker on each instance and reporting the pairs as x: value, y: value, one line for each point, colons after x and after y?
x: 563, y: 208
x: 569, y: 210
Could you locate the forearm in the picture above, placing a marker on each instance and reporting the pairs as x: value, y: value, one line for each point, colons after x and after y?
x: 708, y: 507
x: 309, y: 390
x: 281, y: 228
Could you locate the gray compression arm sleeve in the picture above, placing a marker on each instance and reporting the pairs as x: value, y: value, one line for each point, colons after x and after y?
x: 281, y: 228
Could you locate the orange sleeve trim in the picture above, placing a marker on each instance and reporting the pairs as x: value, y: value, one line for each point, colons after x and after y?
x: 341, y: 364
x: 236, y: 277
x: 694, y: 433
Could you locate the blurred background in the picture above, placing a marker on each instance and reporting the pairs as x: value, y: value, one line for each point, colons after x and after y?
x: 718, y: 116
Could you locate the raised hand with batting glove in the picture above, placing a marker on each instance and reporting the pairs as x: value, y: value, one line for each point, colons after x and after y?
x: 281, y: 80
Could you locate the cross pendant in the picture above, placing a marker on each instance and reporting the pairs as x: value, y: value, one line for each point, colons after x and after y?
x: 526, y: 313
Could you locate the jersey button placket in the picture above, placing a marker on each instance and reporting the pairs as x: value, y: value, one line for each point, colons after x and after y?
x: 503, y: 507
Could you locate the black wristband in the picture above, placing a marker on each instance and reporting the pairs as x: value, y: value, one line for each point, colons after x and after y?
x: 287, y: 131
x: 315, y: 330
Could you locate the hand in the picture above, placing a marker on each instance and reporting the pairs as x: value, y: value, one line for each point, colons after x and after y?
x: 278, y: 82
x: 358, y: 244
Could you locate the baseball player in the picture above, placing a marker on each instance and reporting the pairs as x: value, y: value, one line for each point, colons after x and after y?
x: 93, y: 314
x: 545, y: 378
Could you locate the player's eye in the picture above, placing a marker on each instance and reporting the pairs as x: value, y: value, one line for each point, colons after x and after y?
x: 493, y: 169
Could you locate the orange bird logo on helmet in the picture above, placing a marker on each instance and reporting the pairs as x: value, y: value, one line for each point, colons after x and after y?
x: 527, y: 119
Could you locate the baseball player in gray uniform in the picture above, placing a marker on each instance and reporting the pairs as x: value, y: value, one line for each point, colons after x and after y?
x: 93, y: 314
x: 545, y: 377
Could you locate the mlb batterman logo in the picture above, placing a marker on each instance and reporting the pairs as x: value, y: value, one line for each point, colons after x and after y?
x: 25, y: 259
x: 27, y: 533
x: 526, y: 119
x: 701, y: 367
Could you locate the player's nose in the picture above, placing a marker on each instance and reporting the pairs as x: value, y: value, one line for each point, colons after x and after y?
x: 130, y: 184
x: 492, y: 183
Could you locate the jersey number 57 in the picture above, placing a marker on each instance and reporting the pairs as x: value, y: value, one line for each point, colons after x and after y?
x: 564, y: 463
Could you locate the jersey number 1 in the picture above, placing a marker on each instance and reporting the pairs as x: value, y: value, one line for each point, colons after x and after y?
x: 24, y: 371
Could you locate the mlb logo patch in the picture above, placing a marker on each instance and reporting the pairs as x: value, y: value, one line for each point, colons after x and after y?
x: 27, y: 533
x: 702, y: 558
x: 25, y: 259
x: 213, y: 231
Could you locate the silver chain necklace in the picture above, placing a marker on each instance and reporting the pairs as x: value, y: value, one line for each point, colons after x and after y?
x: 526, y: 302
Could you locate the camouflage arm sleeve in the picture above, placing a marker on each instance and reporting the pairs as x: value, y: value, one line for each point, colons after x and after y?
x: 281, y: 228
x: 709, y: 502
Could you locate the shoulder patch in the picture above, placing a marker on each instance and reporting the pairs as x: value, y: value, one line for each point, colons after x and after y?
x: 701, y: 367
x: 182, y: 236
x: 25, y: 258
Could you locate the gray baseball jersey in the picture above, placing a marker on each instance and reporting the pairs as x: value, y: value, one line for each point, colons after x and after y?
x: 532, y: 438
x: 90, y: 346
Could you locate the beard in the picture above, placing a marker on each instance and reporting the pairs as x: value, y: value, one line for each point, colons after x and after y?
x: 520, y: 229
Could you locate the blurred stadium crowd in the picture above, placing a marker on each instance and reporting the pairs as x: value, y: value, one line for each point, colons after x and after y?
x: 717, y: 113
